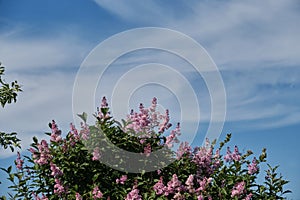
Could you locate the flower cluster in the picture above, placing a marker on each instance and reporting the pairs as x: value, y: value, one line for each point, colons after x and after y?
x: 235, y: 156
x: 42, y: 156
x: 134, y: 194
x: 19, y: 162
x: 56, y: 133
x: 122, y: 179
x: 70, y: 167
x: 253, y: 167
x: 146, y: 120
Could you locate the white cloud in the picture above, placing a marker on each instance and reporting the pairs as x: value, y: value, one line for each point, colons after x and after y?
x: 235, y: 33
x: 247, y: 33
x: 248, y: 40
x: 136, y: 10
x: 19, y: 53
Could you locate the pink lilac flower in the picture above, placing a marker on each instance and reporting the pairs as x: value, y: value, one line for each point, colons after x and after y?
x: 147, y: 150
x: 178, y: 196
x: 184, y: 148
x: 203, y: 158
x: 73, y: 130
x: 147, y: 120
x: 44, y: 153
x: 56, y: 133
x: 97, y: 194
x: 217, y: 159
x: 96, y: 154
x: 36, y: 197
x: 74, y: 136
x: 203, y: 183
x: 238, y: 189
x: 122, y: 179
x: 190, y: 183
x: 139, y: 122
x: 172, y: 138
x: 134, y: 194
x: 165, y: 124
x: 228, y: 156
x: 65, y: 146
x: 104, y: 104
x: 19, y: 162
x: 253, y: 167
x: 249, y: 196
x: 200, y: 197
x: 155, y: 116
x: 173, y: 186
x: 85, y: 131
x: 55, y: 171
x: 159, y: 187
x: 236, y: 156
x: 142, y: 141
x: 78, y: 196
x: 58, y: 187
x: 153, y: 106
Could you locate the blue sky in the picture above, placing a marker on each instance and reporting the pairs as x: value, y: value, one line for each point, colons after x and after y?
x: 255, y: 45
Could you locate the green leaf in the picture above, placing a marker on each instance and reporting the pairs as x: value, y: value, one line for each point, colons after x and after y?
x: 83, y: 116
x: 9, y: 169
x: 35, y: 140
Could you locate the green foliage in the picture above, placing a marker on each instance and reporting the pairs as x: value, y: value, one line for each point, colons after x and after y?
x: 81, y: 174
x: 9, y: 140
x: 8, y: 92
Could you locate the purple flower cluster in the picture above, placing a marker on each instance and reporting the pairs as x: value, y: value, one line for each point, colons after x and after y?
x: 19, y: 162
x: 42, y: 156
x: 85, y: 131
x: 58, y: 187
x: 104, y: 104
x: 36, y: 197
x: 238, y: 189
x: 203, y: 157
x: 97, y: 194
x: 177, y: 189
x: 96, y: 154
x: 184, y: 148
x: 253, y: 167
x: 173, y: 137
x: 56, y: 133
x: 55, y: 171
x: 235, y: 156
x: 134, y: 194
x: 121, y: 180
x: 147, y: 119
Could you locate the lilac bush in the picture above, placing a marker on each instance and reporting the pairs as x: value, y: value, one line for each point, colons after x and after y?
x: 72, y: 167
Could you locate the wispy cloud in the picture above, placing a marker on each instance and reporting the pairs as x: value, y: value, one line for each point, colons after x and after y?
x: 138, y: 11
x: 255, y: 44
x: 19, y: 52
x: 235, y: 33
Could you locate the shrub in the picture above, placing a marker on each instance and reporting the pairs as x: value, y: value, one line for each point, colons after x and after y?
x: 75, y: 166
